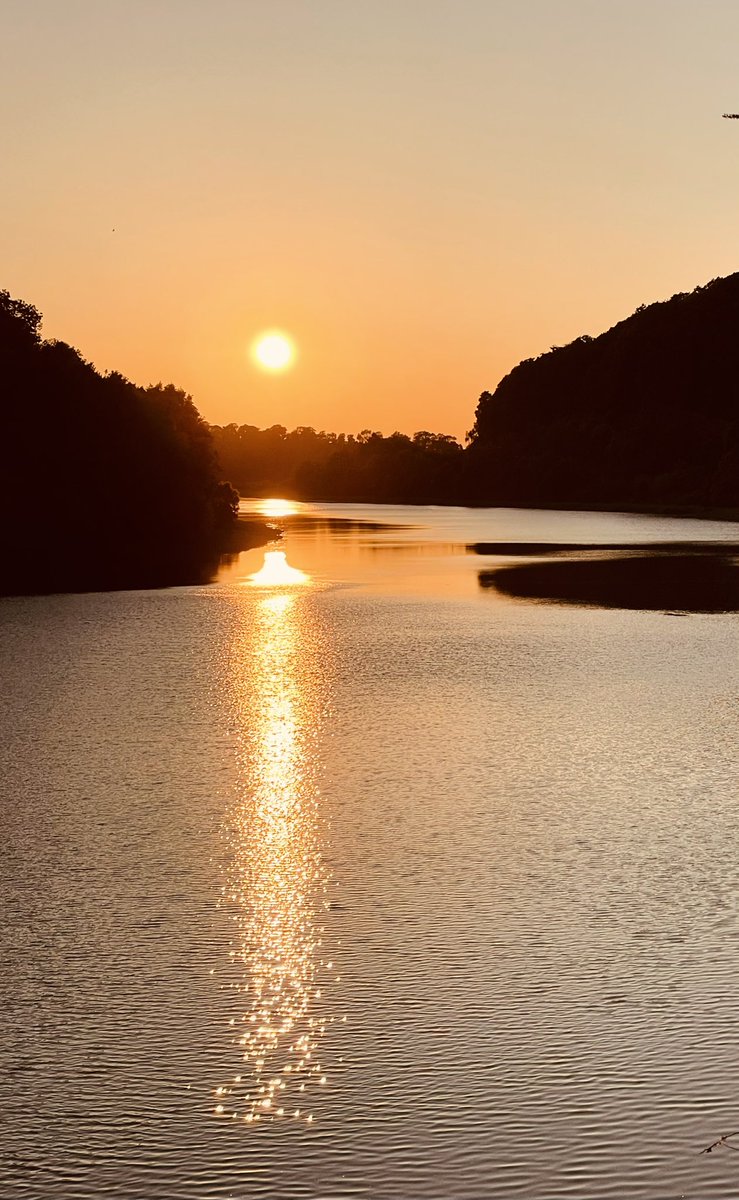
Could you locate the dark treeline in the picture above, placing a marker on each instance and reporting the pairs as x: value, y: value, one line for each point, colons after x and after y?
x: 104, y: 484
x: 305, y: 464
x: 646, y: 415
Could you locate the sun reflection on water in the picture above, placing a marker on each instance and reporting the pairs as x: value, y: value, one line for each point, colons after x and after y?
x: 278, y: 884
x: 274, y: 507
x: 277, y: 572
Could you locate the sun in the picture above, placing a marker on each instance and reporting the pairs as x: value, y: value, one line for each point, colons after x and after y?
x: 273, y: 351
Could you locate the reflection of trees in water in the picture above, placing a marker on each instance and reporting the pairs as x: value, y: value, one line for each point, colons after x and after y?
x: 683, y: 582
x: 331, y: 526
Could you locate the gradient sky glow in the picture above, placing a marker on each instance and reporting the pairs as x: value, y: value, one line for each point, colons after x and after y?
x: 420, y: 192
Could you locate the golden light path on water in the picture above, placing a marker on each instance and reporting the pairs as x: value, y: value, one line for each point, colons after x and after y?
x: 275, y: 507
x: 277, y: 882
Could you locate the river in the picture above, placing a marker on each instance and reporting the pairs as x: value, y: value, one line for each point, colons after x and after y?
x: 347, y: 876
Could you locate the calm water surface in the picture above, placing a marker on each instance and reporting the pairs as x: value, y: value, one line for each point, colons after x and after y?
x: 370, y: 883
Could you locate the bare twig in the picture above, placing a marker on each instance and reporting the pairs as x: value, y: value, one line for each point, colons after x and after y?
x: 722, y: 1141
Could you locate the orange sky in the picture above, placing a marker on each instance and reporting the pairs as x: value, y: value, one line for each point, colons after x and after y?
x: 421, y: 192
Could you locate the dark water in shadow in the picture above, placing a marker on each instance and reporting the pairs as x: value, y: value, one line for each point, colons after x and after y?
x: 700, y: 583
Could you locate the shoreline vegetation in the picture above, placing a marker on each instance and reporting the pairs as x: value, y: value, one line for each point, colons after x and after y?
x: 124, y: 478
x: 645, y: 416
x: 643, y: 419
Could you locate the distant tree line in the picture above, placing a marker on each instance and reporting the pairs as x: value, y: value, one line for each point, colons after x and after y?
x: 104, y: 484
x: 645, y: 415
x: 305, y: 464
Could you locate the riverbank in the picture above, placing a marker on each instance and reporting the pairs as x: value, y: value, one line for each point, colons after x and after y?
x: 690, y: 511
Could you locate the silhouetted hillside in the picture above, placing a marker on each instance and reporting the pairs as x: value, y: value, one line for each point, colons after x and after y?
x: 103, y: 484
x: 646, y: 414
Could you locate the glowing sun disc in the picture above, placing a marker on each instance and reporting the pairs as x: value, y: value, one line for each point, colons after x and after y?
x: 273, y: 351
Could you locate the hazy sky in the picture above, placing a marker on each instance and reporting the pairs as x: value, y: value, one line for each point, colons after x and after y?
x: 421, y: 192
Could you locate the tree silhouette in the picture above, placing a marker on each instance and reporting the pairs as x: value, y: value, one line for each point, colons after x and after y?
x: 646, y: 414
x: 306, y: 464
x: 104, y: 484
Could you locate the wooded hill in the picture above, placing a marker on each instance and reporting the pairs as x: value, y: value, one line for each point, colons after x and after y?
x: 103, y: 484
x: 647, y: 414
